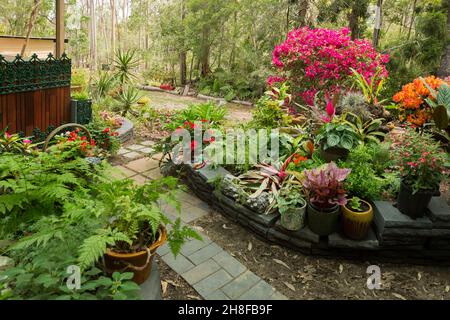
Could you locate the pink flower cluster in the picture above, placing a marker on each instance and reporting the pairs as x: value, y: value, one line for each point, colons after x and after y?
x: 321, y: 60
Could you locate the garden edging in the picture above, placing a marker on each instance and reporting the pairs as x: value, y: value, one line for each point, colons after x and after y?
x: 393, y: 236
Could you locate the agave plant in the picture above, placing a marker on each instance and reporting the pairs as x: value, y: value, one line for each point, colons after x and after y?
x: 127, y: 98
x: 124, y: 64
x: 325, y: 185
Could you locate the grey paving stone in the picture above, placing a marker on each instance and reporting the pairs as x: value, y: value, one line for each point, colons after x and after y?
x: 205, y: 253
x: 217, y: 295
x: 146, y: 150
x: 122, y: 151
x: 135, y: 147
x: 147, y: 143
x: 132, y: 155
x: 193, y: 246
x: 339, y: 241
x: 261, y: 291
x: 192, y: 213
x: 387, y: 216
x: 212, y: 282
x: 201, y: 271
x: 163, y: 250
x: 241, y: 284
x: 230, y: 264
x: 439, y: 209
x: 278, y: 296
x: 179, y: 264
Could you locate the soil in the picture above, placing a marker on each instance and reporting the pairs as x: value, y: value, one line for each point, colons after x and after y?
x: 174, y: 287
x: 302, y: 277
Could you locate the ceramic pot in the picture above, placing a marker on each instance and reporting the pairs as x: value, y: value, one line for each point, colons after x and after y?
x: 356, y: 224
x: 323, y: 222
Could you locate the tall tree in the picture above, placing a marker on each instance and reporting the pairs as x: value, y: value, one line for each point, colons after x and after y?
x: 31, y: 23
x: 378, y: 22
x: 183, y: 67
x: 93, y: 35
x: 444, y: 69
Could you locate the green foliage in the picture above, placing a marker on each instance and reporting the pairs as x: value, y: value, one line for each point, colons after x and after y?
x: 269, y: 114
x: 79, y: 78
x: 80, y: 95
x: 125, y: 62
x: 355, y: 102
x: 367, y: 132
x: 103, y: 84
x: 208, y: 111
x: 337, y: 135
x: 127, y: 98
x: 355, y: 204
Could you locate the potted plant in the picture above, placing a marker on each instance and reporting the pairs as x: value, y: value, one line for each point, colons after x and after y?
x: 421, y: 163
x: 81, y: 108
x: 133, y: 227
x: 324, y: 187
x: 292, y: 207
x: 336, y: 139
x: 357, y: 216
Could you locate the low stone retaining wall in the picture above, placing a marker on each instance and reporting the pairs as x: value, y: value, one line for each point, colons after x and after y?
x: 394, y: 237
x: 126, y: 131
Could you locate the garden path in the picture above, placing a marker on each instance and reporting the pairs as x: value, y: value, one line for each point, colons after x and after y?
x: 212, y: 271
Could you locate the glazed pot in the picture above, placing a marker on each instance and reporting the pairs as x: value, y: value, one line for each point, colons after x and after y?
x: 356, y: 224
x: 140, y: 263
x: 293, y: 219
x: 323, y: 222
x: 333, y: 154
x: 414, y: 205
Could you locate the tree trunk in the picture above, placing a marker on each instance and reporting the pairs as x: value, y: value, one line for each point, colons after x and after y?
x: 205, y: 53
x: 93, y: 36
x: 303, y: 7
x: 353, y: 21
x: 31, y: 23
x: 444, y: 69
x: 183, y: 49
x: 378, y: 23
x: 413, y: 15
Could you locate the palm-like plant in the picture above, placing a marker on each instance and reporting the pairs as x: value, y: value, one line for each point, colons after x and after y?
x: 124, y: 64
x: 127, y: 98
x: 103, y: 84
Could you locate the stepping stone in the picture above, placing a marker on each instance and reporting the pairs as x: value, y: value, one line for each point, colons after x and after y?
x: 146, y: 150
x: 261, y: 291
x: 230, y: 264
x: 179, y: 264
x: 122, y: 151
x: 125, y: 172
x: 205, y: 253
x: 192, y: 213
x: 194, y: 245
x: 147, y: 143
x: 240, y: 285
x: 213, y: 282
x: 153, y: 174
x: 132, y: 155
x: 135, y: 147
x: 140, y: 180
x: 142, y: 165
x: 201, y: 271
x: 217, y: 295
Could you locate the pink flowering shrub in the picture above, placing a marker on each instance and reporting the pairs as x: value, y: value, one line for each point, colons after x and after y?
x: 314, y: 60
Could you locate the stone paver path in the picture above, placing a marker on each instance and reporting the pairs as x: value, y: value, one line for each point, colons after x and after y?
x: 213, y: 272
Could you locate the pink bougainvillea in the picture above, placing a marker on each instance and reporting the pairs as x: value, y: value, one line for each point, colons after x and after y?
x: 314, y: 60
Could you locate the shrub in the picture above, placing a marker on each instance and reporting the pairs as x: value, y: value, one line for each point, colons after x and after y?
x: 314, y: 60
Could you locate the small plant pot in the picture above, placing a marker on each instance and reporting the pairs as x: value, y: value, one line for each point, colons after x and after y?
x: 140, y: 263
x: 413, y: 205
x: 293, y: 219
x: 323, y: 222
x: 356, y: 224
x: 333, y: 154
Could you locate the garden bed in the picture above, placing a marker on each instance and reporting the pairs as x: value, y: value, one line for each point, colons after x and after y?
x: 393, y: 236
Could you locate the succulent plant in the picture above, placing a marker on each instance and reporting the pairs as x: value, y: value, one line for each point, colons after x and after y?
x: 355, y: 102
x: 324, y: 185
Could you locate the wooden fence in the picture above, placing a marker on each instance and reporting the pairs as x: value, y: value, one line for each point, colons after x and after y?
x: 34, y: 93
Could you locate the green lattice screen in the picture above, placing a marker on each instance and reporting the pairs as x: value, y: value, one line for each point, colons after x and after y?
x: 21, y: 75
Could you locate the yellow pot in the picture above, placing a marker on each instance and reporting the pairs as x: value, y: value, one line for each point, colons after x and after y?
x: 356, y: 224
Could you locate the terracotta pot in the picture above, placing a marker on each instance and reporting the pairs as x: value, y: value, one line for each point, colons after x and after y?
x: 356, y: 224
x: 323, y: 222
x: 294, y: 218
x: 140, y: 263
x: 414, y: 205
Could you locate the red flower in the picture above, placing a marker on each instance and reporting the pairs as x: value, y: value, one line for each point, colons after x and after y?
x: 193, y: 144
x: 106, y: 130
